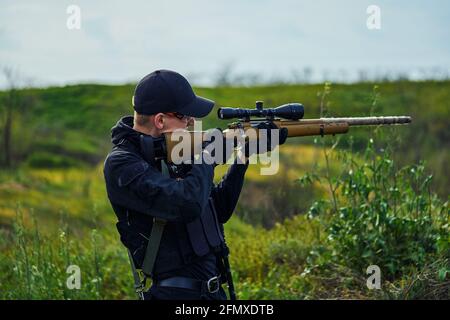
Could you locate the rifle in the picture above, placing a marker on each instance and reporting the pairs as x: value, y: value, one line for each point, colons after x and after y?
x: 289, y: 116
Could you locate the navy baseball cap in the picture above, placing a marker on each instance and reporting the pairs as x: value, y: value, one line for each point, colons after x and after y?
x: 168, y: 91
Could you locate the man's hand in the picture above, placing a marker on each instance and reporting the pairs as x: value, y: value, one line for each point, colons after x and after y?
x: 219, y: 156
x: 268, y: 126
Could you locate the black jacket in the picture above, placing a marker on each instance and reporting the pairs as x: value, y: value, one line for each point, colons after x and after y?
x: 138, y: 192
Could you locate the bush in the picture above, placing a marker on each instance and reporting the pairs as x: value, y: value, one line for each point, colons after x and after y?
x: 383, y: 215
x: 50, y: 160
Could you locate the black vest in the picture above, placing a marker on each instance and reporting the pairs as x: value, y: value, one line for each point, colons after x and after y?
x: 181, y: 243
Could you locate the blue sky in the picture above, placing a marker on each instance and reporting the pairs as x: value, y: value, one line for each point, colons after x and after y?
x: 121, y: 41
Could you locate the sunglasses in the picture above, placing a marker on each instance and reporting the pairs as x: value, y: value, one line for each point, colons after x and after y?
x: 179, y: 116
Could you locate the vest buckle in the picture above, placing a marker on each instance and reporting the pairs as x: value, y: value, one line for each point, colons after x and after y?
x: 213, y: 284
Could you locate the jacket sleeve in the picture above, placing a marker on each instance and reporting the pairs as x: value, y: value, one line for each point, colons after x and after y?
x: 165, y: 197
x: 226, y: 193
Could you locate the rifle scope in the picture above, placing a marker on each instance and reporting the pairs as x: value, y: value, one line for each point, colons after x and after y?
x: 290, y: 111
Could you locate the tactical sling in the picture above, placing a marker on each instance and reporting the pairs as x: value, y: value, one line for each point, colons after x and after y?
x: 151, y: 251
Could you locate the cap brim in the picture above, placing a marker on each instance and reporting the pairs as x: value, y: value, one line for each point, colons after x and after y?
x: 198, y: 108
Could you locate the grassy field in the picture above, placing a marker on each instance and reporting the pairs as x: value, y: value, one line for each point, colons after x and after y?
x: 309, y: 232
x: 69, y: 126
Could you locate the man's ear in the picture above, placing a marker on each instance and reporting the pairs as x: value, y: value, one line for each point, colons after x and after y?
x: 158, y: 121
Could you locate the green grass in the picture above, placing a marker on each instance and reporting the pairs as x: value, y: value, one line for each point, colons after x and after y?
x: 75, y: 121
x: 308, y: 232
x: 62, y: 220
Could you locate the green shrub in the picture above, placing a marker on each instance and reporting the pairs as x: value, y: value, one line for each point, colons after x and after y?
x: 43, y: 159
x: 383, y: 215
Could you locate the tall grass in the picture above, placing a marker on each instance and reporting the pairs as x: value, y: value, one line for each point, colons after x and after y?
x: 35, y: 266
x: 309, y: 233
x: 385, y: 215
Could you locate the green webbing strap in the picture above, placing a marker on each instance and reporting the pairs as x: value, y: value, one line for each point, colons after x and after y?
x: 152, y: 248
x: 164, y: 169
x: 139, y: 286
x: 155, y: 236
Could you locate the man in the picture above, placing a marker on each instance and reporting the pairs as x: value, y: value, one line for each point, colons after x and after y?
x: 188, y: 263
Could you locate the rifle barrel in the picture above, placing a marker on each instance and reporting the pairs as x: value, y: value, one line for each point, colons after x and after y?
x: 367, y: 121
x: 350, y: 121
